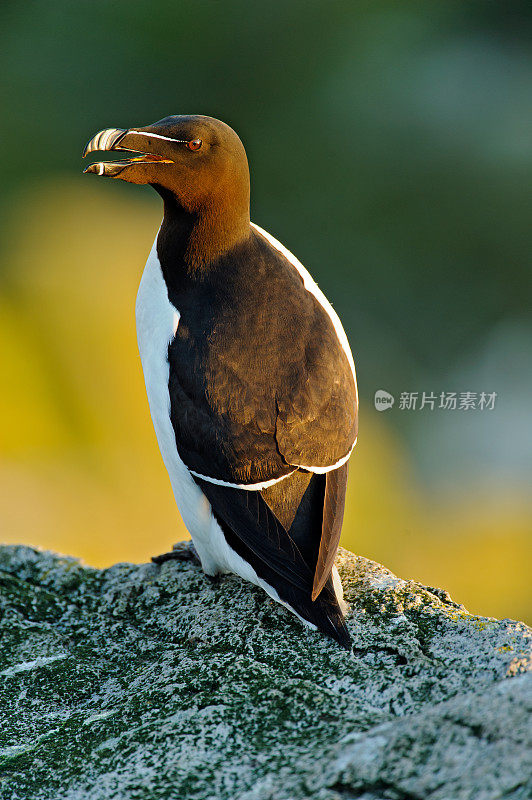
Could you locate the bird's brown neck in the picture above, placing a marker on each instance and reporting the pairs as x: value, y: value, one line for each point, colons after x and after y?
x: 190, y: 241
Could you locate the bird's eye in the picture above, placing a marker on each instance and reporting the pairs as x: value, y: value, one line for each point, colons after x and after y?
x: 195, y: 144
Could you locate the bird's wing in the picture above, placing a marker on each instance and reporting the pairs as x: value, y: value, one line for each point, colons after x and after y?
x: 261, y: 386
x: 316, y: 430
x: 317, y: 421
x: 248, y: 434
x: 260, y: 381
x: 316, y: 426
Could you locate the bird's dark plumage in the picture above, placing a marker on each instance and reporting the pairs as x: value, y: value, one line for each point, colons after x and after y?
x: 259, y: 383
x: 251, y: 387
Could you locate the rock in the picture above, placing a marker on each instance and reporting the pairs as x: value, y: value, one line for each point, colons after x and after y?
x: 145, y: 682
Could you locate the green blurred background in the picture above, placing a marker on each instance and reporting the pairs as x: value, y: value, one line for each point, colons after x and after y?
x: 390, y: 146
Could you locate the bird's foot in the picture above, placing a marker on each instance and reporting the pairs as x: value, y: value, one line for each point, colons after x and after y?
x: 182, y: 551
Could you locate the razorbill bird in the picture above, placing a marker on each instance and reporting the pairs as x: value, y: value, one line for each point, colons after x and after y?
x: 250, y: 379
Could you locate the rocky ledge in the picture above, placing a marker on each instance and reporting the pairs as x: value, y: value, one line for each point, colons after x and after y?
x: 144, y: 682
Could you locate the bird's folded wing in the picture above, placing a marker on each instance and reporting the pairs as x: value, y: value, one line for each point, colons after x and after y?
x: 316, y: 425
x: 260, y: 382
x: 317, y: 431
x: 262, y: 437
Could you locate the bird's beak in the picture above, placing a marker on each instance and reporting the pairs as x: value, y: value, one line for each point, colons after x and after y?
x: 105, y: 140
x: 131, y: 140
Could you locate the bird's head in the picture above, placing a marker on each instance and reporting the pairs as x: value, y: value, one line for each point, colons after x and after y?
x: 199, y: 161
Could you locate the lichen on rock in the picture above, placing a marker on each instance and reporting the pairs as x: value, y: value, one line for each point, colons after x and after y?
x: 148, y: 682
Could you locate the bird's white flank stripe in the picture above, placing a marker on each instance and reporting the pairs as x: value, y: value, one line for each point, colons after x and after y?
x: 322, y: 470
x: 256, y: 487
x: 252, y: 487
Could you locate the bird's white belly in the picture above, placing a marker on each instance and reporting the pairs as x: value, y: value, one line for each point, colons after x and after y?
x: 157, y: 320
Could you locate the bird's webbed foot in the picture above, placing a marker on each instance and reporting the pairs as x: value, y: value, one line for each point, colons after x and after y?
x: 182, y: 551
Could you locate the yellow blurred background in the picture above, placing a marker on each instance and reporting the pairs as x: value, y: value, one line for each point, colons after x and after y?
x: 80, y: 470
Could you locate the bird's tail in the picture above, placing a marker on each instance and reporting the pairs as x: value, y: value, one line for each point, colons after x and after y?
x: 324, y: 612
x: 255, y: 534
